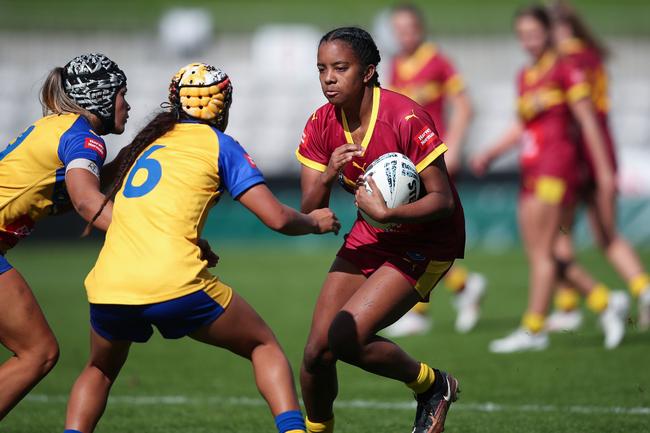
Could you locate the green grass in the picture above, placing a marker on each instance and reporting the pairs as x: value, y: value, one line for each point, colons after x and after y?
x: 281, y: 281
x: 630, y: 17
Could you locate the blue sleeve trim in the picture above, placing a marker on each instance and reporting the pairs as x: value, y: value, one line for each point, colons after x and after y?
x: 80, y: 142
x: 237, y: 170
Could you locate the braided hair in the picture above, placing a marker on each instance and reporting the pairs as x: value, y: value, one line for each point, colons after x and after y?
x: 161, y: 124
x: 362, y: 44
x: 197, y: 91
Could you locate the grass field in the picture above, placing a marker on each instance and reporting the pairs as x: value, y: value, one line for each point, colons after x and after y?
x: 627, y: 17
x: 574, y: 386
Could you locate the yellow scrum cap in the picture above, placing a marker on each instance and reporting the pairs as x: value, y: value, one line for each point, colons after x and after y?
x: 202, y: 91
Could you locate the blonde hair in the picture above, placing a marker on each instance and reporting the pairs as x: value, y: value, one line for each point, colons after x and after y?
x: 54, y: 100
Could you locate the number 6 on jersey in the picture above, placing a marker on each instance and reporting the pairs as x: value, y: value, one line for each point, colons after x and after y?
x: 154, y: 173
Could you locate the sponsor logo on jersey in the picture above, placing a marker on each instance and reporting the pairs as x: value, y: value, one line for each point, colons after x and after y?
x: 250, y: 160
x: 96, y: 145
x: 411, y: 116
x: 425, y: 136
x: 360, y: 167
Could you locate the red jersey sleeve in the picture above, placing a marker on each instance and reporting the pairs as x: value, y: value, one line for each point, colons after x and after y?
x: 419, y: 139
x: 312, y: 152
x: 574, y: 81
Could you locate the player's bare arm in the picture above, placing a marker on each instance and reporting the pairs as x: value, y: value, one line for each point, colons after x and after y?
x: 437, y: 203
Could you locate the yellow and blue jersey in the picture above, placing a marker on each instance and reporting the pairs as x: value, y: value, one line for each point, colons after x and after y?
x: 32, y: 171
x: 150, y: 253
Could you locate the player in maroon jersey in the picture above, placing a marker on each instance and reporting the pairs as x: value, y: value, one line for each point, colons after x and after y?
x: 426, y: 75
x: 576, y: 42
x: 552, y: 93
x: 377, y: 275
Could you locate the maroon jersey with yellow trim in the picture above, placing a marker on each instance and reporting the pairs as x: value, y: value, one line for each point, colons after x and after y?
x: 589, y: 60
x: 428, y: 77
x: 545, y: 91
x: 397, y: 125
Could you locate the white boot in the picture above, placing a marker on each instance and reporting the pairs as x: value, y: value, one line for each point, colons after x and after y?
x: 564, y: 321
x: 612, y: 320
x: 468, y: 302
x: 519, y: 341
x: 411, y: 323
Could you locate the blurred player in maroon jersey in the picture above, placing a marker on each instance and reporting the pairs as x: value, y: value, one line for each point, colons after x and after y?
x: 424, y: 74
x: 576, y: 42
x: 377, y: 275
x: 553, y: 94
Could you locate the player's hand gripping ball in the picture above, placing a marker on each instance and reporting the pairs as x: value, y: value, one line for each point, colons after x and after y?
x: 397, y: 179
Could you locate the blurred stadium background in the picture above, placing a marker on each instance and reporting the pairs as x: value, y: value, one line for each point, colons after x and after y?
x: 268, y: 49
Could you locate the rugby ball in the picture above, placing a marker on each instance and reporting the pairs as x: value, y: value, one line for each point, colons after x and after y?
x: 397, y: 179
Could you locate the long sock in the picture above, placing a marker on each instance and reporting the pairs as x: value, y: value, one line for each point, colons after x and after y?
x: 290, y: 421
x: 598, y: 298
x: 320, y: 427
x: 533, y: 322
x: 71, y: 431
x: 639, y: 284
x: 425, y: 379
x: 566, y: 299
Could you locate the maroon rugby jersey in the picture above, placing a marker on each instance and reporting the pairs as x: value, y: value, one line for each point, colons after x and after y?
x: 591, y: 62
x: 546, y: 91
x: 397, y: 124
x: 429, y: 78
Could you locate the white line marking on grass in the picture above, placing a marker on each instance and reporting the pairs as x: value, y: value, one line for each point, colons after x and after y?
x: 487, y: 407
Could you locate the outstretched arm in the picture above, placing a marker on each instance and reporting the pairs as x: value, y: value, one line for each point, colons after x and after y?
x: 260, y: 200
x: 508, y: 140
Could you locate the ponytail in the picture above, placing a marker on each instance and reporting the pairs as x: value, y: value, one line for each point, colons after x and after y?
x: 53, y: 98
x: 156, y: 128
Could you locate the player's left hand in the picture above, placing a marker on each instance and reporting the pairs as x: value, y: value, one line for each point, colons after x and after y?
x: 371, y: 202
x: 207, y: 253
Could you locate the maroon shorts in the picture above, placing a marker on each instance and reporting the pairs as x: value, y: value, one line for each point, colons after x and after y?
x: 549, y: 188
x: 422, y: 272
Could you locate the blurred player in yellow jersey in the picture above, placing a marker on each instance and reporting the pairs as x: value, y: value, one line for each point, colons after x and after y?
x: 150, y: 272
x: 53, y: 166
x: 423, y: 73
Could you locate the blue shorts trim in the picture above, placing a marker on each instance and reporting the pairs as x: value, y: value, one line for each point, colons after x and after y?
x: 175, y: 318
x: 4, y: 265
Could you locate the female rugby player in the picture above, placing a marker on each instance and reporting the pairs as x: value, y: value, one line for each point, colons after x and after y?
x: 576, y: 42
x: 552, y: 93
x: 377, y: 276
x: 150, y: 271
x: 52, y: 166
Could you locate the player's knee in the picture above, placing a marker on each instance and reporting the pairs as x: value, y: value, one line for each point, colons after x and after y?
x: 317, y: 356
x: 343, y: 338
x: 43, y: 357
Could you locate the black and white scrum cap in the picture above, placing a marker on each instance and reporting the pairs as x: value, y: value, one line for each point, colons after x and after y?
x: 92, y: 81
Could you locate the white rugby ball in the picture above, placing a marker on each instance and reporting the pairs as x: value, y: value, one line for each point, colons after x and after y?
x: 397, y: 179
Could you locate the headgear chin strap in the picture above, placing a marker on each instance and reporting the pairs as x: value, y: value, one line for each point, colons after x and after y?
x: 92, y: 82
x: 202, y: 92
